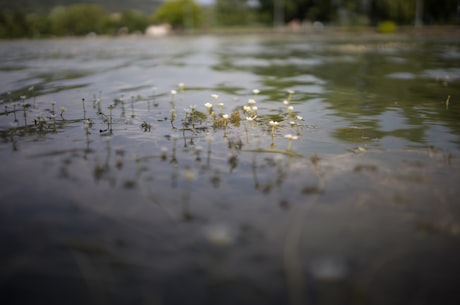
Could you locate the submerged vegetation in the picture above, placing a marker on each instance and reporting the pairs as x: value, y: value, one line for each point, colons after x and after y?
x: 209, y: 131
x: 207, y: 121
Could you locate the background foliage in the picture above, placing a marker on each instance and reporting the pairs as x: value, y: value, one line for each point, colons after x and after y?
x: 27, y: 18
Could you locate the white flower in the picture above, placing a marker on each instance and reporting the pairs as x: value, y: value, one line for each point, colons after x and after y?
x: 251, y: 101
x: 299, y: 118
x: 291, y: 137
x: 215, y: 96
x: 246, y: 108
x: 164, y: 152
x: 225, y: 116
x: 249, y: 119
x: 208, y: 105
x: 273, y: 123
x: 221, y: 104
x: 291, y: 108
x: 173, y: 92
x: 189, y: 174
x: 255, y: 91
x: 290, y: 92
x: 285, y: 102
x: 198, y: 149
x: 220, y: 235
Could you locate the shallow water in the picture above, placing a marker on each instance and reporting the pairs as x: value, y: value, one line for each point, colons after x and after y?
x: 111, y: 201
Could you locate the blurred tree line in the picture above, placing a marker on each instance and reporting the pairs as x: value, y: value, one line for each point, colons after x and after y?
x: 73, y: 20
x: 362, y: 12
x: 81, y: 19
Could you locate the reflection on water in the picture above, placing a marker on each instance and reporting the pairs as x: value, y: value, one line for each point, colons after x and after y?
x: 135, y: 169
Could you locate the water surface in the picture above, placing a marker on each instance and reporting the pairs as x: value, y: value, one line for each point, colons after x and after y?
x: 106, y: 199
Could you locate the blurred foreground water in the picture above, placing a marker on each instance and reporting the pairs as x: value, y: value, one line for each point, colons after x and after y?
x: 119, y: 186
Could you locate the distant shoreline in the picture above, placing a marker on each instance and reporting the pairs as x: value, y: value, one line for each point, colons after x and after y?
x: 330, y: 32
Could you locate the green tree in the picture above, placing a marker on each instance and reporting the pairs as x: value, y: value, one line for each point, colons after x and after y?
x: 14, y: 25
x: 179, y: 14
x: 40, y: 25
x: 441, y: 11
x: 78, y: 19
x: 313, y: 10
x: 234, y: 12
x: 133, y: 20
x: 400, y: 11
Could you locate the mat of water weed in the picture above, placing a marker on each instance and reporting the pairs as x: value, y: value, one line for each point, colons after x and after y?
x: 243, y: 170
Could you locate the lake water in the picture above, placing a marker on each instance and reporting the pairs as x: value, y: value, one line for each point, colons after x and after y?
x: 119, y: 186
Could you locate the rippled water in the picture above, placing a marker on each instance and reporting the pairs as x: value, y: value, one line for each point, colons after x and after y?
x: 108, y: 198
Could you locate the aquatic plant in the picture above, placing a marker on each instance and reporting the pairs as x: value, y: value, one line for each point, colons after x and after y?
x: 290, y: 94
x: 173, y: 94
x: 221, y: 108
x: 290, y: 138
x: 195, y: 124
x: 274, y: 125
x: 146, y: 126
x: 62, y: 112
x: 447, y: 102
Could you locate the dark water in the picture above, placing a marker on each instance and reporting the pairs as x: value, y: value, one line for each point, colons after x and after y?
x: 106, y: 200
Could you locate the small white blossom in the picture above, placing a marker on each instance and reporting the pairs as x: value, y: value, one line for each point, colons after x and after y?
x: 164, y: 152
x: 291, y: 137
x: 220, y: 235
x: 198, y: 149
x: 189, y: 174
